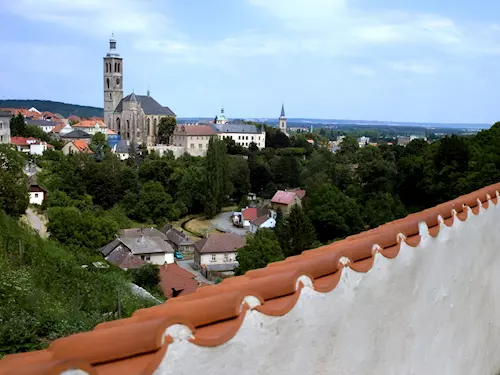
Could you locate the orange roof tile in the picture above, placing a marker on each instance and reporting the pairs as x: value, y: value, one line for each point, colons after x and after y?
x: 83, y: 146
x: 214, y: 314
x: 89, y: 124
x: 174, y: 277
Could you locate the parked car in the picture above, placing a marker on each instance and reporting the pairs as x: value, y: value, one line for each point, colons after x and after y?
x: 177, y: 255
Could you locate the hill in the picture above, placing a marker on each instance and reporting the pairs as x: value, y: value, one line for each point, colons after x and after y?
x: 48, y: 290
x: 63, y: 109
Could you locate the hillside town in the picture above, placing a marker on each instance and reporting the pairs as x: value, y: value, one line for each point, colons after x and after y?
x: 141, y: 242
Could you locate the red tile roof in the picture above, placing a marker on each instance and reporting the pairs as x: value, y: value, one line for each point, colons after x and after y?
x: 21, y: 141
x: 89, y: 124
x: 250, y: 213
x: 299, y: 192
x: 283, y: 197
x: 214, y: 314
x: 173, y: 276
x: 82, y: 146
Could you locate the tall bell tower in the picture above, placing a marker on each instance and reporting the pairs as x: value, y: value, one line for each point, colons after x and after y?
x: 283, y: 119
x: 113, y: 83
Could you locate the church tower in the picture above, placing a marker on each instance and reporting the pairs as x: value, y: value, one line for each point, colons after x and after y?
x: 113, y: 84
x: 283, y: 119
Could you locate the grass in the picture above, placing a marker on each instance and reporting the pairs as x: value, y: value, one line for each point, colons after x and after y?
x: 199, y: 226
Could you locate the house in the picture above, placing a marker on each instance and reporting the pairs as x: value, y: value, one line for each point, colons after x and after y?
x: 262, y: 222
x: 46, y: 125
x: 376, y: 303
x: 77, y: 134
x: 30, y: 145
x: 148, y: 244
x: 91, y: 127
x: 75, y: 147
x: 284, y: 199
x: 121, y: 149
x: 241, y: 134
x: 37, y: 194
x: 217, y: 252
x: 119, y: 255
x: 175, y: 281
x: 193, y: 139
x: 178, y: 239
x: 5, y: 117
x: 62, y: 129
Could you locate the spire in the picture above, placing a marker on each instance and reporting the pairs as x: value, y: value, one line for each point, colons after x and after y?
x: 133, y: 97
x: 148, y: 90
x: 282, y: 110
x: 222, y: 110
x: 112, y: 47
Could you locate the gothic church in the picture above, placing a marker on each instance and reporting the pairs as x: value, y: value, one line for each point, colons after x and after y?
x: 134, y: 117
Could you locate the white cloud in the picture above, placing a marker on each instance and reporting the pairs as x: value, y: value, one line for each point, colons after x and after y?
x: 416, y: 67
x: 94, y: 17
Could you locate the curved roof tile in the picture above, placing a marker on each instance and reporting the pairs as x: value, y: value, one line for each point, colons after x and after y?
x: 214, y: 314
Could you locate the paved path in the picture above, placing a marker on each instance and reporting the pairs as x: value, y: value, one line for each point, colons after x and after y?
x: 36, y: 223
x: 188, y: 266
x: 223, y: 223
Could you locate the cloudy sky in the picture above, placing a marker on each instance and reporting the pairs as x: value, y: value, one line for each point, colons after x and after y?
x: 400, y: 60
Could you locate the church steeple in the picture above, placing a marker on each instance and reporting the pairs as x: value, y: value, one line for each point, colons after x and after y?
x: 113, y: 84
x: 112, y: 47
x: 283, y: 119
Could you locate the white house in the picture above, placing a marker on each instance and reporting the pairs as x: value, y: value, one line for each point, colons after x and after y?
x: 262, y: 222
x: 46, y: 125
x: 30, y: 145
x: 241, y: 134
x: 37, y: 194
x: 217, y: 252
x: 92, y: 127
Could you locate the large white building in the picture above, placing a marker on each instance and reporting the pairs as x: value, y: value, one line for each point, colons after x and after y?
x: 242, y: 134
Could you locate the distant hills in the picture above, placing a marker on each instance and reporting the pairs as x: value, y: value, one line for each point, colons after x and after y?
x: 63, y: 109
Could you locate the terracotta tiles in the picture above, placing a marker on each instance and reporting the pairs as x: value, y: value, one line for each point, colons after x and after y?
x: 215, y: 313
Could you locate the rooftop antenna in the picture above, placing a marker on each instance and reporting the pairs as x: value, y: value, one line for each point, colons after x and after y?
x: 148, y: 90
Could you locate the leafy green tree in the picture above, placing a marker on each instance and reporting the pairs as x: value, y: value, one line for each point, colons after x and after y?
x: 13, y: 182
x: 99, y: 145
x: 333, y: 214
x: 261, y: 249
x: 152, y: 204
x: 239, y: 174
x: 166, y: 128
x: 349, y: 145
x: 191, y: 188
x: 217, y: 177
x: 18, y: 126
x: 147, y: 276
x: 233, y: 148
x: 295, y: 232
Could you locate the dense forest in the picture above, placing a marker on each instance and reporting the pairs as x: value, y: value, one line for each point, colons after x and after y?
x: 64, y: 109
x: 91, y: 197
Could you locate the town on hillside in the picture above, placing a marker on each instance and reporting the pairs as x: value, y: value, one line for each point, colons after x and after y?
x: 139, y: 212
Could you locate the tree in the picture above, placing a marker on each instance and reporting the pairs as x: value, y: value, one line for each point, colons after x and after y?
x: 261, y: 249
x: 13, y: 182
x: 147, y: 276
x: 217, y: 177
x: 295, y: 232
x: 166, y: 128
x: 233, y: 148
x: 17, y: 126
x: 99, y: 145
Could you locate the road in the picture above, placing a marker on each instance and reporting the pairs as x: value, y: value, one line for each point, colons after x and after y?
x: 223, y: 223
x: 36, y: 223
x: 188, y: 266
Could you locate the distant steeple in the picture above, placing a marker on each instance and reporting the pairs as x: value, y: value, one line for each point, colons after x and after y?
x: 282, y: 110
x: 222, y: 110
x: 148, y: 90
x: 112, y: 47
x: 133, y: 98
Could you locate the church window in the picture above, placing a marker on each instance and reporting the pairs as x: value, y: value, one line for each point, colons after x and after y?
x: 119, y: 67
x: 106, y: 67
x: 107, y: 81
x: 118, y: 81
x: 110, y: 98
x: 116, y: 65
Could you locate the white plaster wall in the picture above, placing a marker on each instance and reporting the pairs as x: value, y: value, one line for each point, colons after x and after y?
x: 37, y: 149
x: 219, y: 258
x: 159, y: 259
x: 36, y: 198
x: 434, y: 309
x: 241, y: 138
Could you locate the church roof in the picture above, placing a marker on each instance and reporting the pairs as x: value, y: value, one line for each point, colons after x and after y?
x: 148, y: 105
x: 282, y: 110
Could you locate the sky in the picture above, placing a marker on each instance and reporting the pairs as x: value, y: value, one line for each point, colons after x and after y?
x: 392, y: 60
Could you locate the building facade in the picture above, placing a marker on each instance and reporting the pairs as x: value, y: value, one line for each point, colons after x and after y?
x: 193, y: 139
x: 241, y: 134
x: 134, y: 117
x: 5, y: 126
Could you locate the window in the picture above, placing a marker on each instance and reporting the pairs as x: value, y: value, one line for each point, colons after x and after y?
x: 106, y: 67
x: 107, y: 82
x: 192, y: 145
x: 239, y: 137
x: 118, y: 81
x: 252, y: 137
x: 226, y: 257
x: 200, y: 146
x: 1, y: 124
x: 213, y: 258
x: 246, y: 138
x: 148, y: 257
x: 36, y: 195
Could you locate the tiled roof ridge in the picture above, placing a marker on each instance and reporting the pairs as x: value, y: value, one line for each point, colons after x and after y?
x: 215, y: 313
